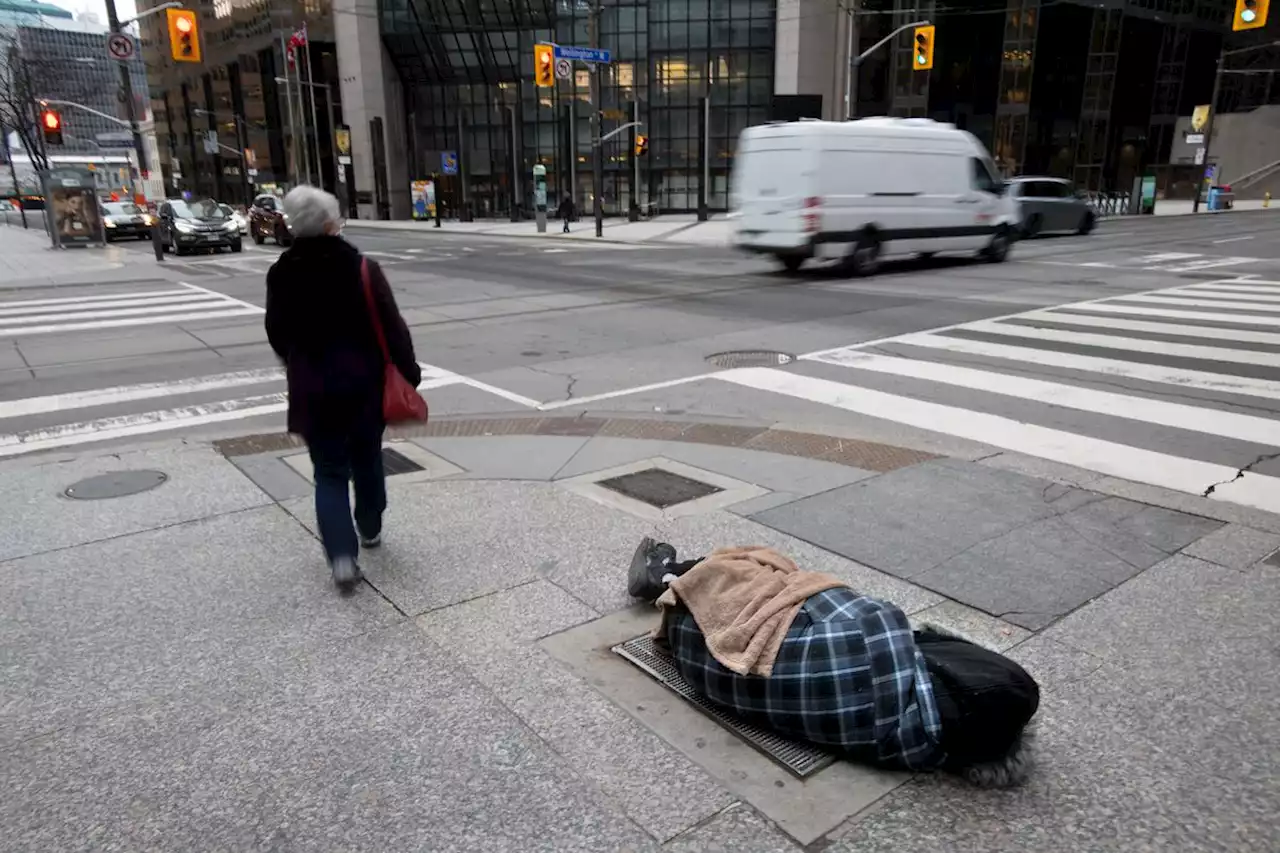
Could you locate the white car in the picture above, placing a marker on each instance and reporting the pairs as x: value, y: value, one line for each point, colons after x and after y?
x: 241, y: 221
x: 860, y: 190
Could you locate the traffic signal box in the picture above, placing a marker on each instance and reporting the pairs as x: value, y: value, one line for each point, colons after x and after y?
x: 1250, y: 14
x: 51, y: 125
x: 642, y: 145
x: 184, y: 35
x: 544, y: 60
x: 923, y: 46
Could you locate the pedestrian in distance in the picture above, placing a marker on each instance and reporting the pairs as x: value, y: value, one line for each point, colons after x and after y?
x: 566, y: 212
x: 327, y: 308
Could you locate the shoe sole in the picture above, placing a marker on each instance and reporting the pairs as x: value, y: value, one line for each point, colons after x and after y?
x: 638, y: 582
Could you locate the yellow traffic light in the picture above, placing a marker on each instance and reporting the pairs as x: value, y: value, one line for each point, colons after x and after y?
x: 1250, y: 14
x: 544, y: 60
x: 922, y: 59
x: 51, y: 124
x: 642, y: 145
x: 184, y: 35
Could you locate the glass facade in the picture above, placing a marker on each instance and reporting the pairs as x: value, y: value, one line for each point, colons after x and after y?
x: 467, y: 70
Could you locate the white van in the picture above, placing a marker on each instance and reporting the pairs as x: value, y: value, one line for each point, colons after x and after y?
x: 860, y: 190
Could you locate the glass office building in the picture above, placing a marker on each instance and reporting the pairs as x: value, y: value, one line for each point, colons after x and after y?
x: 466, y: 67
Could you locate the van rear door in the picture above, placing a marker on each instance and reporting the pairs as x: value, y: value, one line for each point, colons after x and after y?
x: 772, y: 176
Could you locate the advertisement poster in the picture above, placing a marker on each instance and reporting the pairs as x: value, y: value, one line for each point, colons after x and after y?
x: 73, y: 205
x: 423, y: 195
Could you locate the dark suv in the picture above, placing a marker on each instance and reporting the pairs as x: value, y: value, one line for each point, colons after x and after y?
x: 267, y: 219
x: 187, y: 226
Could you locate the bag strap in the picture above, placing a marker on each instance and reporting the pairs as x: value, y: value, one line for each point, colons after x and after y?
x: 367, y: 282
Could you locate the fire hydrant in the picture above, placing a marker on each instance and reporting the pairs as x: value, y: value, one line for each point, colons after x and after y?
x: 1266, y: 198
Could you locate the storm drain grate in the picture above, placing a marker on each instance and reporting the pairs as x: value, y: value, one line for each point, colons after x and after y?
x: 801, y: 760
x: 750, y: 358
x: 394, y: 462
x: 659, y: 488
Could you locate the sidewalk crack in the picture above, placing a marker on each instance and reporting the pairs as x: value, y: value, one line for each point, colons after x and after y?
x: 1266, y: 457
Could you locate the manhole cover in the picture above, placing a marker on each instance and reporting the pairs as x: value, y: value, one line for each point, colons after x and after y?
x: 117, y: 484
x: 395, y: 462
x: 750, y: 358
x: 659, y: 488
x: 801, y: 759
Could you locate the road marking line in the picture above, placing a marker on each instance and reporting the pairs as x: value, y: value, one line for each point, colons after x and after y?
x: 1238, y: 335
x: 1118, y: 460
x: 1226, y: 297
x: 1178, y: 314
x: 639, y: 389
x: 1169, y: 256
x: 1211, y: 353
x: 66, y: 310
x: 390, y: 255
x: 131, y: 393
x: 128, y: 321
x: 1247, y: 288
x: 520, y: 399
x: 7, y: 322
x: 1235, y: 239
x: 1109, y: 367
x: 1258, y: 430
x: 1097, y: 264
x: 223, y: 296
x: 1209, y: 264
x: 77, y: 300
x: 1205, y: 303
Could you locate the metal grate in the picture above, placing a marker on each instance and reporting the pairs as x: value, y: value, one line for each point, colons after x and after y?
x: 395, y: 462
x: 659, y: 488
x: 800, y: 759
x: 750, y: 358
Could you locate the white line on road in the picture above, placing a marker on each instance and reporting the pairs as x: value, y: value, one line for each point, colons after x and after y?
x: 1118, y: 460
x: 222, y: 296
x: 7, y: 322
x: 1108, y: 367
x: 390, y: 255
x: 131, y: 393
x: 639, y: 389
x: 1214, y: 302
x: 78, y: 300
x: 1235, y: 239
x: 136, y: 302
x: 1179, y: 314
x: 1244, y: 286
x: 1226, y: 297
x: 1210, y: 263
x: 127, y: 321
x: 1235, y: 335
x: 1204, y: 420
x: 1168, y: 256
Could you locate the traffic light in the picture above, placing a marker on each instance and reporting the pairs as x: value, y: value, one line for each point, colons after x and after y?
x: 642, y: 145
x: 51, y: 124
x: 184, y: 35
x: 544, y: 60
x: 923, y: 43
x: 1250, y: 14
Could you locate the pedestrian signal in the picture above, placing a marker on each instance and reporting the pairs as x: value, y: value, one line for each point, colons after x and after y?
x: 544, y: 60
x: 184, y: 35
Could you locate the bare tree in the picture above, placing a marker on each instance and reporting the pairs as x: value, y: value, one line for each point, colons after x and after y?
x: 17, y: 113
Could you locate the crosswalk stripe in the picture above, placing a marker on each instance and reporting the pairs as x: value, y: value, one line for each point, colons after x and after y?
x: 1196, y: 351
x: 1225, y: 298
x: 79, y: 300
x: 205, y: 302
x: 84, y: 307
x: 1242, y: 286
x: 1180, y: 314
x: 1213, y: 422
x: 1199, y: 302
x: 1236, y: 335
x: 1200, y: 379
x: 1118, y: 460
x: 128, y: 321
x: 1208, y: 264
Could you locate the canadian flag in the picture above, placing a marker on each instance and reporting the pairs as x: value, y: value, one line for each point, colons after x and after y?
x: 297, y: 40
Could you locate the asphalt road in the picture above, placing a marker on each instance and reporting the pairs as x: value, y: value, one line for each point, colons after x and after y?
x: 1174, y: 388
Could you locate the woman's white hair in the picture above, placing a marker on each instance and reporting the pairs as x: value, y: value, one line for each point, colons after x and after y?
x: 309, y: 210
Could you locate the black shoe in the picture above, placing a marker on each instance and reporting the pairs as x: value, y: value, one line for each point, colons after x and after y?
x: 648, y: 566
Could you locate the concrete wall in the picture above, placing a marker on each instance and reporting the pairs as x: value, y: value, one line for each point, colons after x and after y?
x: 811, y: 46
x: 1241, y: 143
x: 371, y: 88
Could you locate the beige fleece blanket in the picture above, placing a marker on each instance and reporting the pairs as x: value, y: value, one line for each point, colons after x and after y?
x: 744, y: 600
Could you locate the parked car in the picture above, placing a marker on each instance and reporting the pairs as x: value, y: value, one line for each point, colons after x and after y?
x: 1050, y: 204
x: 855, y: 191
x: 123, y: 220
x: 188, y: 226
x: 267, y: 219
x: 241, y: 221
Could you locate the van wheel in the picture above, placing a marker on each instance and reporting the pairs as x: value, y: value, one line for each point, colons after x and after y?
x: 864, y: 259
x: 998, y: 249
x: 791, y: 263
x: 1087, y: 223
x: 1032, y: 226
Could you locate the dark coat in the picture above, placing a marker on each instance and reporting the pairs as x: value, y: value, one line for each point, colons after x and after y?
x: 318, y: 324
x: 566, y: 209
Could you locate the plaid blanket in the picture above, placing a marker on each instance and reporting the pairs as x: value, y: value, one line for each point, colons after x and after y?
x: 848, y: 676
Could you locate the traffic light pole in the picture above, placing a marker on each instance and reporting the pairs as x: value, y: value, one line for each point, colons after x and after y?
x: 855, y: 62
x: 597, y: 147
x: 1213, y: 111
x: 126, y: 86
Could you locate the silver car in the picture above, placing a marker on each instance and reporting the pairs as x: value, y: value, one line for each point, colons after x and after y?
x: 1051, y: 204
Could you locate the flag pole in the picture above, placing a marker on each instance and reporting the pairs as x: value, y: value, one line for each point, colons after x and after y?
x: 311, y: 93
x: 288, y: 99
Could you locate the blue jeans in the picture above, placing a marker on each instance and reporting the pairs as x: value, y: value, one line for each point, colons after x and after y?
x: 339, y: 460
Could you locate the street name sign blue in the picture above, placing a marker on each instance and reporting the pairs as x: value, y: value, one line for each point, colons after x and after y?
x: 583, y: 54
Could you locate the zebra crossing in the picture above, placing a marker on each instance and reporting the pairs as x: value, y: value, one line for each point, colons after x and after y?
x: 120, y: 307
x: 1178, y: 387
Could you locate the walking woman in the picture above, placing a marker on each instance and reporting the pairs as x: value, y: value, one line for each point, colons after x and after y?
x: 320, y: 324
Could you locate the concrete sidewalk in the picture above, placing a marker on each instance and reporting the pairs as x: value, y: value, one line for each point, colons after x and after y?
x: 179, y: 673
x: 28, y: 259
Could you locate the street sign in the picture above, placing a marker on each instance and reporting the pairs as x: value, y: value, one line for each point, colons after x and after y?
x: 120, y: 46
x: 449, y: 162
x: 211, y: 142
x: 114, y: 139
x: 1199, y: 161
x: 583, y: 54
x: 564, y: 68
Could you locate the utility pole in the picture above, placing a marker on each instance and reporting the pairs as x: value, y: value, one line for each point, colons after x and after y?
x: 126, y: 86
x: 597, y: 154
x: 855, y: 62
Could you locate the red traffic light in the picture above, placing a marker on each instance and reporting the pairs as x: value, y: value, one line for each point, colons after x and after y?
x: 183, y: 25
x: 51, y: 120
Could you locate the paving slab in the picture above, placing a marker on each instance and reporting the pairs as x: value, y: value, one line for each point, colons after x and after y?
x: 201, y: 483
x: 380, y: 744
x: 92, y: 627
x: 1235, y: 546
x: 517, y: 457
x: 737, y: 829
x: 270, y: 473
x: 971, y: 624
x: 655, y: 785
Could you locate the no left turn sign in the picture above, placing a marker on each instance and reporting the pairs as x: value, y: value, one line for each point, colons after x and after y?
x: 120, y: 46
x: 564, y: 69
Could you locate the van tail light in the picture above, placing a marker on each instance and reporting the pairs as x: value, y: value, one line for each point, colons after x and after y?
x: 812, y: 215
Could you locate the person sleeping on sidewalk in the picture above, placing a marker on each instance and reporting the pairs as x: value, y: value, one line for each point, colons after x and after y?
x: 803, y: 654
